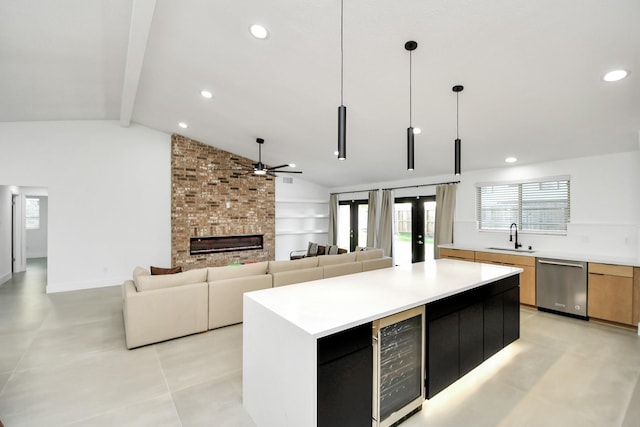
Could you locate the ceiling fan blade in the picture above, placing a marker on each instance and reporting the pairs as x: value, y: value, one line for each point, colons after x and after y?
x: 278, y: 167
x: 287, y: 171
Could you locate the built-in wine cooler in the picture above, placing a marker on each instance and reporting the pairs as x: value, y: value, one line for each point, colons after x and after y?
x: 398, y: 366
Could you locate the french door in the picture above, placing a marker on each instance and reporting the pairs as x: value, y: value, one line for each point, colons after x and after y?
x: 352, y: 223
x: 413, y: 229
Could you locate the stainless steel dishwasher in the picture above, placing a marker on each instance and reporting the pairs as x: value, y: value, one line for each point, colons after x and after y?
x: 561, y: 286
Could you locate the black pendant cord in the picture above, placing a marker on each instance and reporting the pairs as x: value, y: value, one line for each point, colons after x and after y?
x: 342, y: 110
x: 457, y: 116
x: 410, y: 91
x: 457, y: 143
x: 341, y: 52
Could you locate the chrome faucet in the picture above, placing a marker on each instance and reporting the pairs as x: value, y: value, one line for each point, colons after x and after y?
x: 517, y: 245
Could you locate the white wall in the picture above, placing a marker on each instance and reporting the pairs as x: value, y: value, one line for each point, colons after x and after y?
x: 37, y: 238
x: 5, y: 233
x: 302, y: 215
x: 605, y: 204
x: 109, y: 196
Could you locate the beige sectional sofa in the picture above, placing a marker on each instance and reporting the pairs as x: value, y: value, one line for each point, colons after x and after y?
x: 160, y: 307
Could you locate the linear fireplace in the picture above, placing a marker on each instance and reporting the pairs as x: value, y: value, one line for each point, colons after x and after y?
x: 216, y: 244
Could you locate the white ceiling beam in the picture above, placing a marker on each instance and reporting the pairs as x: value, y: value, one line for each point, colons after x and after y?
x: 141, y: 17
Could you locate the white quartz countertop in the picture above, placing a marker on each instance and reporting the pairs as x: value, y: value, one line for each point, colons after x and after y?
x: 569, y: 256
x: 327, y: 306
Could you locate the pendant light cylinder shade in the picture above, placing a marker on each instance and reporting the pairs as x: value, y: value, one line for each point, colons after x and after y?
x: 458, y: 154
x: 410, y: 149
x: 458, y: 144
x: 342, y: 132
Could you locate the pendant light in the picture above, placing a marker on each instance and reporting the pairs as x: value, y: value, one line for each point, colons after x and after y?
x: 342, y: 110
x: 410, y: 46
x: 457, y: 144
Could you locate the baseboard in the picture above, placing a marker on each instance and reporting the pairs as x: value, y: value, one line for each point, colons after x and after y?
x: 5, y: 277
x: 53, y: 288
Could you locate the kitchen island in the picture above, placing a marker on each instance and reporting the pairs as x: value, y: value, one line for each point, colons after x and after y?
x: 289, y: 332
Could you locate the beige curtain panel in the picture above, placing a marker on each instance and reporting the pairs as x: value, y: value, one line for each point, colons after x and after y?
x: 385, y: 229
x: 372, y: 218
x: 333, y: 219
x: 445, y: 208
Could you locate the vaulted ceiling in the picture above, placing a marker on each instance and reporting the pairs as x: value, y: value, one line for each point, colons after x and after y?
x: 532, y: 72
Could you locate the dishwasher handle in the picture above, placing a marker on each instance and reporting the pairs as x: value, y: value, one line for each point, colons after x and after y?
x: 563, y: 264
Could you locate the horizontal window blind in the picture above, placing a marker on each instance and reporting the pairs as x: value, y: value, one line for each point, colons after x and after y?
x: 538, y: 207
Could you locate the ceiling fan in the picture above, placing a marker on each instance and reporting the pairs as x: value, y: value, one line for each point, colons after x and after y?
x: 262, y: 169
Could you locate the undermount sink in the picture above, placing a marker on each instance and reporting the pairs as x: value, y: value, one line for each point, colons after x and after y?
x: 528, y: 251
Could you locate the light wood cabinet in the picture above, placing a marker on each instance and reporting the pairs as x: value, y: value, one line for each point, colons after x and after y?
x: 459, y: 254
x: 527, y: 277
x: 611, y: 293
x: 636, y: 297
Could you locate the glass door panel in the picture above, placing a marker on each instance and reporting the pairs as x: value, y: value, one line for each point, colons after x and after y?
x: 402, y: 233
x: 429, y: 208
x: 363, y: 218
x: 414, y: 229
x: 344, y: 226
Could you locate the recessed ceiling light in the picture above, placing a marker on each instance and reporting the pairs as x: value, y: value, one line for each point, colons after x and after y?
x: 292, y: 165
x: 510, y: 160
x: 258, y: 31
x: 206, y: 94
x: 183, y: 125
x: 417, y: 131
x: 335, y: 153
x: 615, y: 75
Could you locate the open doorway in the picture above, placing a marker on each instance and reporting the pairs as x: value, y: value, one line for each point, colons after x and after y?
x: 24, y: 211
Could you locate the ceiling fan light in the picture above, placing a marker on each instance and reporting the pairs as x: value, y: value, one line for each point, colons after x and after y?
x: 259, y: 172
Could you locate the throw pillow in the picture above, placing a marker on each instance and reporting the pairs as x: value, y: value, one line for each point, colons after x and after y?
x: 332, y: 249
x: 160, y: 270
x: 312, y: 249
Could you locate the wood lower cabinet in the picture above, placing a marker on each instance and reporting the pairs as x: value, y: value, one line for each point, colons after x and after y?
x: 527, y: 277
x: 610, y: 293
x: 636, y: 297
x: 459, y: 254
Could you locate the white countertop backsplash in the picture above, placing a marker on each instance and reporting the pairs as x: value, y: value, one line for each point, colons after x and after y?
x: 569, y: 256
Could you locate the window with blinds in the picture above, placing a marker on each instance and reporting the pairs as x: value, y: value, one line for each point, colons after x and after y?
x: 537, y: 207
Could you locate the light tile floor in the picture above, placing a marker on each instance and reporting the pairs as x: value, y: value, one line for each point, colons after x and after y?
x: 63, y: 362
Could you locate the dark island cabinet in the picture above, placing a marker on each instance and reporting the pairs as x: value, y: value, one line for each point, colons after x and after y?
x: 345, y: 368
x: 465, y: 329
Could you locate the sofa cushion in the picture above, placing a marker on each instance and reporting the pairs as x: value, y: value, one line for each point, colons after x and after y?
x: 369, y: 254
x: 233, y: 271
x: 149, y: 282
x: 225, y: 298
x: 341, y: 269
x: 377, y: 263
x: 296, y: 264
x: 161, y: 270
x: 297, y: 276
x: 336, y: 259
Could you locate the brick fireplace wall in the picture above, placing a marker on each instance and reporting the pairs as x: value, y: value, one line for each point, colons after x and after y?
x: 204, y: 181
